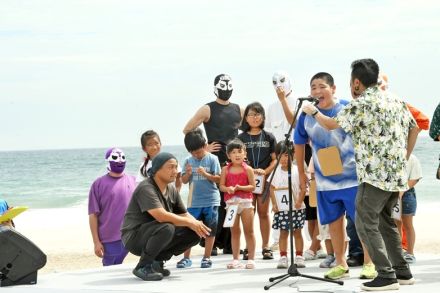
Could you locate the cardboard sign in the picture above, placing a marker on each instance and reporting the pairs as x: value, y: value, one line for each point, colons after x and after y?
x: 312, y: 194
x: 259, y: 184
x: 396, y: 213
x: 330, y: 161
x: 231, y: 215
x: 12, y: 213
x: 282, y: 198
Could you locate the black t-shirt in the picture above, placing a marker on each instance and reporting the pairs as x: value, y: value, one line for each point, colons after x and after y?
x: 222, y: 126
x: 147, y: 197
x: 259, y: 148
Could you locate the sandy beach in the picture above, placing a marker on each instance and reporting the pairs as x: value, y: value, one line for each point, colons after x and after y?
x: 64, y: 235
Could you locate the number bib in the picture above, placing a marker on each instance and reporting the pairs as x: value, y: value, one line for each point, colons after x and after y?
x: 282, y: 197
x: 231, y: 214
x: 259, y: 184
x: 397, y: 210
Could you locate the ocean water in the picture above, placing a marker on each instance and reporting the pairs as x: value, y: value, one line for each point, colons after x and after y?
x: 62, y: 178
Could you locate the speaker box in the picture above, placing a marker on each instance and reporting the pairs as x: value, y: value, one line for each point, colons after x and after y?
x: 20, y: 259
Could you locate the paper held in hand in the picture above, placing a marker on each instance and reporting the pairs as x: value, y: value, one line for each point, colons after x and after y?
x: 231, y: 214
x: 397, y: 210
x: 282, y: 198
x: 259, y: 184
x: 330, y: 161
x: 12, y: 213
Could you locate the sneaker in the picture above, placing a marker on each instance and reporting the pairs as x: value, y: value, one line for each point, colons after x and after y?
x: 283, y: 263
x: 405, y: 279
x: 147, y: 273
x: 381, y: 284
x: 300, y: 261
x: 275, y: 246
x: 410, y: 258
x: 333, y: 264
x: 158, y: 266
x: 326, y: 263
x: 368, y: 271
x: 184, y: 263
x: 337, y: 272
x: 309, y: 255
x: 321, y: 253
x: 206, y: 263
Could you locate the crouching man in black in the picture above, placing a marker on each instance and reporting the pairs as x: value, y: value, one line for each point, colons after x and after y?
x: 156, y: 224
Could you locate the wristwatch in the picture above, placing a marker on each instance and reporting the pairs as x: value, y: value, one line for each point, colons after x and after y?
x: 314, y: 113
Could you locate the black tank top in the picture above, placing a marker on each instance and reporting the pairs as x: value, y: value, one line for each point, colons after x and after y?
x: 222, y: 126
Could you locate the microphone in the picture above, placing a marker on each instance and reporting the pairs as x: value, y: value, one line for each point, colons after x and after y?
x: 314, y: 100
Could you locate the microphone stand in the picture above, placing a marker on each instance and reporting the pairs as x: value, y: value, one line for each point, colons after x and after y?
x: 292, y: 271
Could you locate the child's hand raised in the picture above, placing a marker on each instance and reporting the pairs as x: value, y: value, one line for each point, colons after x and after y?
x: 202, y: 171
x: 259, y: 171
x: 188, y: 169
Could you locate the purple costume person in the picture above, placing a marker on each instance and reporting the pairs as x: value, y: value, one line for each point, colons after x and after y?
x: 108, y: 200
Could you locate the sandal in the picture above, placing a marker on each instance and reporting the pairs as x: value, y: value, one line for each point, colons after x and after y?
x: 235, y: 264
x: 267, y: 253
x: 250, y: 264
x: 245, y: 254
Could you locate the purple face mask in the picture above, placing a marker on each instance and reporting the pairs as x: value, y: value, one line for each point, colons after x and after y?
x: 116, y: 160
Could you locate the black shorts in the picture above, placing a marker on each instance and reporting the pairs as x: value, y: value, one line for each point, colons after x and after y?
x: 310, y: 211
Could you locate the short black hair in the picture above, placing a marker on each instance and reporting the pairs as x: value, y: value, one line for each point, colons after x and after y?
x: 323, y: 75
x: 366, y: 70
x: 194, y: 140
x: 257, y: 107
x: 235, y: 144
x: 281, y: 148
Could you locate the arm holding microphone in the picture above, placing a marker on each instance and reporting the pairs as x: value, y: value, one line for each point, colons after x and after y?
x: 326, y: 122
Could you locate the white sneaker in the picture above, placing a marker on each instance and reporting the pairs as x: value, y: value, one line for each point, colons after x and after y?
x: 283, y: 263
x: 321, y: 253
x: 309, y: 255
x: 300, y: 261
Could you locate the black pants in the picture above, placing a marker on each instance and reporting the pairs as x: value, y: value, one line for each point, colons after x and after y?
x: 160, y: 241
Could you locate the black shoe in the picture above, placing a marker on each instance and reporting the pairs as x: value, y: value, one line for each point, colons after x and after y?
x: 405, y: 279
x: 147, y: 273
x: 381, y: 284
x: 214, y: 252
x: 355, y: 261
x: 245, y: 254
x: 158, y: 267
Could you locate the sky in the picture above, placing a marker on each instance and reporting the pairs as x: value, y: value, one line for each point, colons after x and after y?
x: 98, y: 73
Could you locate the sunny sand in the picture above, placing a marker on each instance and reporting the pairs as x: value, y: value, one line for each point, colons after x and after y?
x: 63, y: 234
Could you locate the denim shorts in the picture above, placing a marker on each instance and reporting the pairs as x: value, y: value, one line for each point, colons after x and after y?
x: 409, y: 202
x: 208, y: 215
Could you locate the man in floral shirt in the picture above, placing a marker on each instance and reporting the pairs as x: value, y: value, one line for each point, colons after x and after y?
x: 384, y: 134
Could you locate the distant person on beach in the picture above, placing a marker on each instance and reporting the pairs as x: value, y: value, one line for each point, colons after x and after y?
x: 108, y: 201
x: 434, y: 132
x: 384, y: 134
x: 221, y: 120
x: 279, y: 118
x: 336, y: 189
x: 202, y: 172
x: 409, y: 206
x: 281, y: 218
x: 237, y: 182
x: 260, y: 153
x: 157, y: 225
x: 151, y: 145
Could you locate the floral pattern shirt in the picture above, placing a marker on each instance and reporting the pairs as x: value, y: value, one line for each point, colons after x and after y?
x: 379, y: 124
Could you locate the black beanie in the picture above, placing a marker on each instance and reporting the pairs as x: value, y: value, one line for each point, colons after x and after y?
x: 158, y: 162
